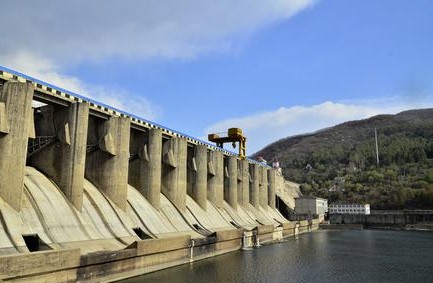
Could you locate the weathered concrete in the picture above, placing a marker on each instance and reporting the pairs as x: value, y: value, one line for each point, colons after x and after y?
x: 272, y: 174
x: 244, y: 182
x: 263, y: 195
x: 16, y: 124
x: 64, y: 161
x: 145, y: 171
x: 231, y: 186
x: 255, y: 185
x: 107, y: 167
x: 25, y: 265
x: 199, y: 176
x: 215, y: 183
x: 174, y: 171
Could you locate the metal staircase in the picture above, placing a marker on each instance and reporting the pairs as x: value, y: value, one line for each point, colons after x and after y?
x: 38, y: 144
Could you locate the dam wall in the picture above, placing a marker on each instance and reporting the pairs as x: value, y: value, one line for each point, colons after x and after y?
x: 410, y: 219
x: 91, y: 193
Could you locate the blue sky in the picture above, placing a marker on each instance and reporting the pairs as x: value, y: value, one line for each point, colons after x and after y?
x: 274, y: 68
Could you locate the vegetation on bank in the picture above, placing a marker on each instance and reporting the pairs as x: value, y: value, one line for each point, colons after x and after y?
x: 339, y: 163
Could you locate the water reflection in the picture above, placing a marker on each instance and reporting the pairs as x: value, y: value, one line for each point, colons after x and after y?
x: 322, y: 256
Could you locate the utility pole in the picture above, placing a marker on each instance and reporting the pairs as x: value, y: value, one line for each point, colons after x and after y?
x: 377, y: 147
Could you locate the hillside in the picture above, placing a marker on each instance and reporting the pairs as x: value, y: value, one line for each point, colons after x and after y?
x: 339, y: 163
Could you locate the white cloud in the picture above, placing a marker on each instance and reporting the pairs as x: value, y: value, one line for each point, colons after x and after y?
x: 75, y: 30
x: 48, y: 71
x: 70, y: 32
x: 264, y: 128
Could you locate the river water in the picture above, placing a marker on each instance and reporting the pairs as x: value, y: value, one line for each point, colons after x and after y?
x: 365, y: 256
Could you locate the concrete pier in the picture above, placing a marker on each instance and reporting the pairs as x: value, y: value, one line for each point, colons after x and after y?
x: 64, y: 160
x: 255, y: 185
x: 215, y: 191
x: 174, y: 171
x: 145, y: 170
x: 107, y: 167
x: 263, y: 172
x: 244, y: 182
x: 199, y: 182
x: 15, y: 124
x: 231, y: 189
x: 272, y: 174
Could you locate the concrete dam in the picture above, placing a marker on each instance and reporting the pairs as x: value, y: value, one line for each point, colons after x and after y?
x: 90, y: 193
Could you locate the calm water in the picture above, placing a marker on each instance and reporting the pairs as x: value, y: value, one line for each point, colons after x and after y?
x: 323, y: 256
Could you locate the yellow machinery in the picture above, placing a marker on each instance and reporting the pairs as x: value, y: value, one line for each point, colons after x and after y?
x: 234, y: 135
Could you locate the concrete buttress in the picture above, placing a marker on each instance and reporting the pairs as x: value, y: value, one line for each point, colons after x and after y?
x: 17, y: 99
x: 199, y: 186
x: 232, y: 187
x: 107, y: 167
x: 215, y: 182
x: 174, y: 171
x: 64, y: 161
x: 272, y: 174
x: 263, y: 187
x: 255, y: 185
x: 244, y: 182
x: 145, y: 172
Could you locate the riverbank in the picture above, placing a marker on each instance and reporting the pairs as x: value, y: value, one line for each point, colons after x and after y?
x: 418, y: 220
x: 414, y: 227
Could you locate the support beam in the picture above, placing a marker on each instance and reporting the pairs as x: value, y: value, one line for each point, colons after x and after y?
x: 174, y: 172
x: 199, y: 186
x: 263, y: 187
x: 244, y: 182
x: 145, y: 172
x: 64, y: 161
x: 254, y: 186
x: 232, y: 184
x: 15, y: 127
x: 107, y: 168
x: 215, y: 182
x: 272, y: 174
x: 152, y: 168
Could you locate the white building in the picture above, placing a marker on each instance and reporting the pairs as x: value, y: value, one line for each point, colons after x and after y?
x: 349, y: 209
x: 311, y: 205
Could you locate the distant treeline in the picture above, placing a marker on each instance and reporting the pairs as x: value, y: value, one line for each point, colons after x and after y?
x: 340, y: 163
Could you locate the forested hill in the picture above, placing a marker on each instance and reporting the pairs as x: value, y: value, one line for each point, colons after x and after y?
x: 339, y: 163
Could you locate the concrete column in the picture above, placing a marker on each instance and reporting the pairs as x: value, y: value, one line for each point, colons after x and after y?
x: 215, y: 184
x: 199, y: 188
x: 147, y: 178
x: 233, y: 181
x: 15, y: 124
x: 254, y: 186
x: 174, y: 172
x: 107, y: 168
x: 263, y: 187
x: 64, y: 161
x: 244, y: 182
x: 272, y: 174
x: 71, y: 177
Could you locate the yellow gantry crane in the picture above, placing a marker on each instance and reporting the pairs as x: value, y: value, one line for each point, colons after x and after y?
x: 234, y: 135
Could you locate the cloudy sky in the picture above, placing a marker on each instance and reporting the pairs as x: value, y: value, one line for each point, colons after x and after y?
x: 272, y: 67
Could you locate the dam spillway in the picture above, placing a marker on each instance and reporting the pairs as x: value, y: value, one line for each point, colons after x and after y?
x: 92, y: 193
